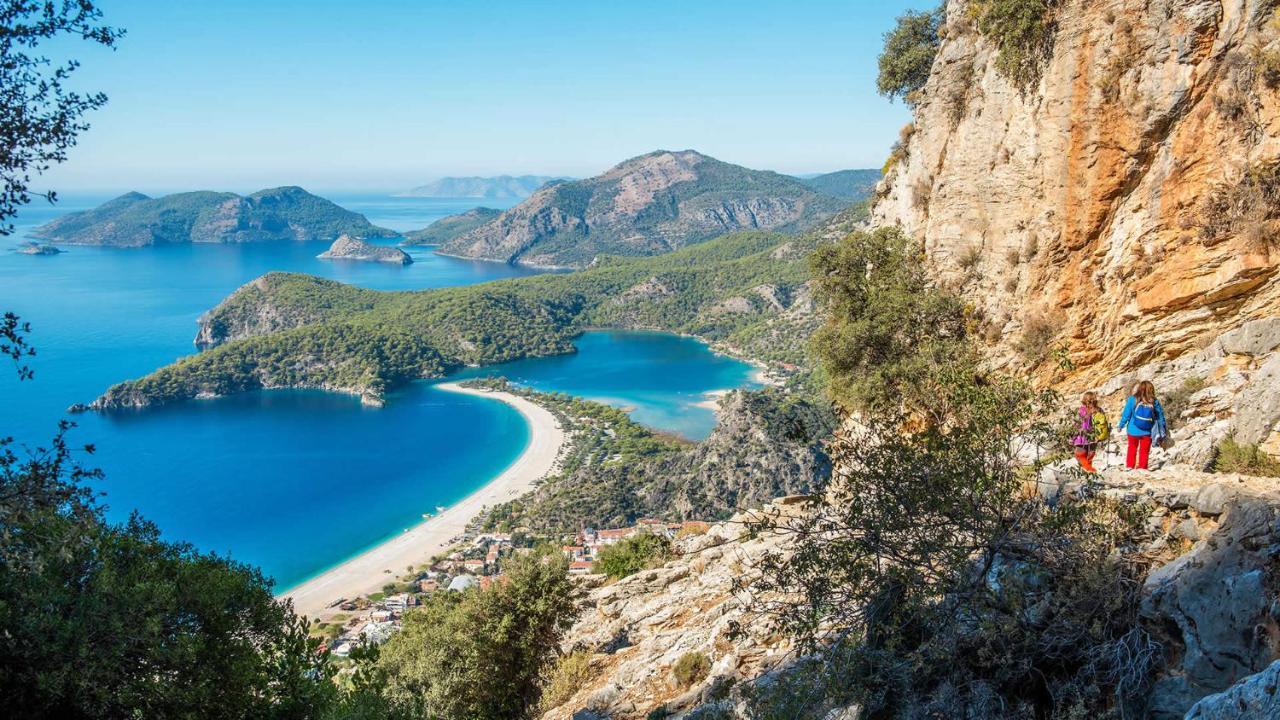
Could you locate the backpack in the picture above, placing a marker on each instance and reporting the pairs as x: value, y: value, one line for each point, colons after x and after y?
x: 1099, y: 427
x: 1144, y: 417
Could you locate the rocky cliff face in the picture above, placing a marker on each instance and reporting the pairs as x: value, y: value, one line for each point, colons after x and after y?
x: 1125, y: 205
x: 648, y: 205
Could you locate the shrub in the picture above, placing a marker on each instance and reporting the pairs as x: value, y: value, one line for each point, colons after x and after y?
x: 1013, y: 256
x: 571, y: 672
x: 889, y: 327
x: 632, y: 554
x: 908, y: 53
x: 1248, y: 208
x: 1233, y: 457
x: 1177, y: 401
x: 1038, y: 333
x: 969, y: 259
x: 692, y: 667
x: 1022, y: 31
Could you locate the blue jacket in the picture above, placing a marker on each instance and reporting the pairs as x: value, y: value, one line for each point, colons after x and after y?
x: 1128, y: 423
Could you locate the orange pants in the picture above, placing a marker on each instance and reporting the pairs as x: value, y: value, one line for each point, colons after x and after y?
x: 1084, y: 456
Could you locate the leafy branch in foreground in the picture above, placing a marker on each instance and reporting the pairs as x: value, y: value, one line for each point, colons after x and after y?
x: 39, y: 118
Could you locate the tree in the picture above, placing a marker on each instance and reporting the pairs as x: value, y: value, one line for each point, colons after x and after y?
x: 632, y: 554
x: 103, y: 620
x: 481, y: 654
x: 889, y: 328
x: 908, y: 54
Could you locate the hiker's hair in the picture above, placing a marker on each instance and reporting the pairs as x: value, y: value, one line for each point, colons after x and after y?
x: 1145, y: 392
x: 1090, y: 400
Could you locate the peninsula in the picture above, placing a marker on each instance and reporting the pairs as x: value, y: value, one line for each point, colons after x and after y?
x: 349, y: 248
x: 368, y: 572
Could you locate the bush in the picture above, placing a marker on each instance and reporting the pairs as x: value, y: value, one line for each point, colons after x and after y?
x: 571, y: 672
x: 1233, y: 457
x: 1176, y: 402
x: 1248, y: 208
x: 908, y: 54
x: 969, y: 259
x: 1023, y: 32
x: 889, y: 328
x: 692, y: 667
x: 482, y: 654
x: 1038, y: 333
x: 633, y: 554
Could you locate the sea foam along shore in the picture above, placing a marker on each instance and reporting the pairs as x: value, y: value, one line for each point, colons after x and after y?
x: 367, y: 572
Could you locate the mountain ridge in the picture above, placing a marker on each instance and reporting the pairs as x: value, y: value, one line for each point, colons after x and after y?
x: 473, y: 186
x: 647, y: 205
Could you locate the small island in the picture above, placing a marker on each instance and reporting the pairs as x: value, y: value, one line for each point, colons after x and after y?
x: 32, y: 248
x: 349, y: 248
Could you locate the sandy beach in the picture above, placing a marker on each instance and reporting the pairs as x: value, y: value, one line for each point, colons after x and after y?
x: 368, y: 572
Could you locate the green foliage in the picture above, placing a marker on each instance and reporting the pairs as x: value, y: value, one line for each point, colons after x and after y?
x: 632, y: 554
x: 690, y: 668
x: 1178, y: 400
x: 104, y: 620
x: 42, y: 115
x: 908, y: 53
x: 1233, y: 457
x: 1023, y: 31
x: 888, y: 327
x: 480, y: 654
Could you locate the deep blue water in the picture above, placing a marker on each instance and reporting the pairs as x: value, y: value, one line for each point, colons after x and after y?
x: 293, y: 481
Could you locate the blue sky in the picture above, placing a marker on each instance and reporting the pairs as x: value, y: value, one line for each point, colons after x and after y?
x: 384, y: 94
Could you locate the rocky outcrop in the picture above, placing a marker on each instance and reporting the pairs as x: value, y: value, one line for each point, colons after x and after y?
x: 349, y: 248
x: 31, y: 248
x: 1257, y: 696
x: 648, y: 205
x: 1091, y: 205
x: 273, y: 302
x: 638, y: 627
x: 278, y: 214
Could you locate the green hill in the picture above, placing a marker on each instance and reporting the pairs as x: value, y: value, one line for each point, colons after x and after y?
x: 450, y: 227
x: 284, y: 213
x: 850, y: 184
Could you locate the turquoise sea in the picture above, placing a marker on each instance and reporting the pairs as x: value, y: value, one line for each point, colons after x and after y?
x: 294, y: 481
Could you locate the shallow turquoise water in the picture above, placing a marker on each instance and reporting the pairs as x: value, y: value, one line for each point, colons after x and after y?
x: 294, y: 481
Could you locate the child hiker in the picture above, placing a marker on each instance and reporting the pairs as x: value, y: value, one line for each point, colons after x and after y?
x: 1093, y: 431
x: 1142, y: 418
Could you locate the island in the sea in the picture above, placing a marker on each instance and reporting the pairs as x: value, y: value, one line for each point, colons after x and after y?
x: 277, y: 214
x: 33, y: 248
x: 349, y: 248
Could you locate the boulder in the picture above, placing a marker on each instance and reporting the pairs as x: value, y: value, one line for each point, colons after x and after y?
x: 1257, y: 696
x: 1212, y: 608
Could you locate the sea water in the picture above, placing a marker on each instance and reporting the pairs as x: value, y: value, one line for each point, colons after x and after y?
x: 294, y: 481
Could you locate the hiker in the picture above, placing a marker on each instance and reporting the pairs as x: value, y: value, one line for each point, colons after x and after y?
x: 1142, y: 418
x: 1094, y: 430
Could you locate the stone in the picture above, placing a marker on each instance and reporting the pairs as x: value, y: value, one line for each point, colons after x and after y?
x: 1253, y: 698
x: 1257, y: 337
x: 1211, y: 608
x: 1211, y: 499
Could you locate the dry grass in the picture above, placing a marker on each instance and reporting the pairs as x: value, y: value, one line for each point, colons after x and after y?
x: 1248, y: 208
x: 1038, y: 333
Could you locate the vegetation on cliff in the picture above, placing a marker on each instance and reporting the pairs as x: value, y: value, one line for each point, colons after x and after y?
x: 450, y: 227
x: 907, y: 57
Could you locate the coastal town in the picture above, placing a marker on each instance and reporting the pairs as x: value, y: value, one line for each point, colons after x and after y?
x: 475, y: 561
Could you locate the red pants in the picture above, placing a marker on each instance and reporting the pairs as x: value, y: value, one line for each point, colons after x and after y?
x: 1084, y: 456
x: 1139, y: 451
